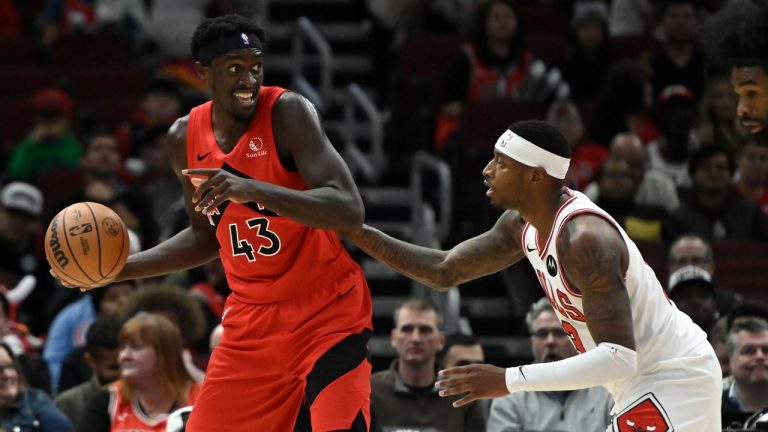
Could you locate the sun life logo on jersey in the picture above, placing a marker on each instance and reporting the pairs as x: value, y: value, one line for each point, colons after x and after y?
x: 257, y: 147
x: 551, y: 266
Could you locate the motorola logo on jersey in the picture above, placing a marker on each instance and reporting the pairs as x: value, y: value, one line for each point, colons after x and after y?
x: 256, y: 145
x: 551, y: 266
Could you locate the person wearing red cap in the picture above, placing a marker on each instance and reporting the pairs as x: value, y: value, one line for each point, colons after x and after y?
x: 50, y: 144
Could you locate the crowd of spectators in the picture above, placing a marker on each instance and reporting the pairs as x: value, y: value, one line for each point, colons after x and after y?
x: 655, y: 138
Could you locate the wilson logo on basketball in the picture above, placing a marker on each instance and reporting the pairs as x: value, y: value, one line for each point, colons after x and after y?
x: 80, y: 229
x: 256, y: 145
x: 58, y: 254
x: 111, y: 226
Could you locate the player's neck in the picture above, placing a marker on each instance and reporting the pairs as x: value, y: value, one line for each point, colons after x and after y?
x: 543, y: 214
x: 227, y: 130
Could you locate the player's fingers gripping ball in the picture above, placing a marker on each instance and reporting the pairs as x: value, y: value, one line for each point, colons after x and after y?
x: 86, y: 245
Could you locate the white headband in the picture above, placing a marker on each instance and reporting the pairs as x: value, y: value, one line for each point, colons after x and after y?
x: 525, y: 152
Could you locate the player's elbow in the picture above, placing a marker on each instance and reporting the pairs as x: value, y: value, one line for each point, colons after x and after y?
x: 354, y: 215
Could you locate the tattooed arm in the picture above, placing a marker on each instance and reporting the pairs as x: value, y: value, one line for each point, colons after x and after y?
x: 595, y: 260
x: 479, y: 256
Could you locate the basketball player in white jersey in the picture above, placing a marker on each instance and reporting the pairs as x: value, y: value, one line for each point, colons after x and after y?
x: 657, y: 364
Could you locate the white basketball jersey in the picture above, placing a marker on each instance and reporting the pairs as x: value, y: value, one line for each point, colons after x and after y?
x: 662, y: 332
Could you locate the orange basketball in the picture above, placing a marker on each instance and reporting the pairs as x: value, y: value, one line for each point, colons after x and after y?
x: 86, y: 244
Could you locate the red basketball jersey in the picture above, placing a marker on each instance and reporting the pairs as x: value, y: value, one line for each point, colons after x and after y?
x: 267, y: 257
x: 127, y: 416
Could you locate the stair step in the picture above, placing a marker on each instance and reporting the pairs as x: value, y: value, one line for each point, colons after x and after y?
x: 342, y: 63
x: 340, y: 10
x: 486, y: 307
x: 386, y: 195
x: 333, y: 31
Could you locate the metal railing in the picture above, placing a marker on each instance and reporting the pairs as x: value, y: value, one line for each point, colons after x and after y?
x: 319, y: 95
x: 370, y: 164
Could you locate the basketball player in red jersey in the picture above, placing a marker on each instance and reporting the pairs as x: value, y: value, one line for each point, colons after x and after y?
x: 264, y: 189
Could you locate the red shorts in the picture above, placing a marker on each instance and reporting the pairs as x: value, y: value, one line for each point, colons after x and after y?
x: 291, y: 365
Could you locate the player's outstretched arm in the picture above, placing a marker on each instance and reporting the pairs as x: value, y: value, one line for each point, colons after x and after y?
x: 193, y: 246
x: 479, y: 256
x: 332, y: 200
x: 594, y: 259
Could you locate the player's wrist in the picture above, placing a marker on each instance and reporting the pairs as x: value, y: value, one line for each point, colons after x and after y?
x: 514, y: 379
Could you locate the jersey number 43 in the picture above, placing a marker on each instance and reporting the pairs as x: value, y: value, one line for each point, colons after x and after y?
x: 241, y: 246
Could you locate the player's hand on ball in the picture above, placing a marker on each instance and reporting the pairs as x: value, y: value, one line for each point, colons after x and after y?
x: 68, y: 285
x: 476, y: 381
x: 216, y: 187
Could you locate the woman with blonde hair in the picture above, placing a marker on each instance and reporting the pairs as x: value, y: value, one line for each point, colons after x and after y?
x: 153, y: 380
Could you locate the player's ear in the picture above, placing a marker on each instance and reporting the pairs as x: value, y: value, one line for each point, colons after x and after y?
x: 537, y: 175
x: 202, y: 71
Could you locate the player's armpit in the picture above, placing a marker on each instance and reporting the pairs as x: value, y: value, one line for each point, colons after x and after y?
x: 595, y: 259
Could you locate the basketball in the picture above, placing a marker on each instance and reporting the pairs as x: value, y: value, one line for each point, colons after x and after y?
x: 86, y: 244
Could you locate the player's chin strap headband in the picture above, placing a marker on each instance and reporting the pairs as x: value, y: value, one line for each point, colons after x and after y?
x: 518, y: 148
x: 226, y: 43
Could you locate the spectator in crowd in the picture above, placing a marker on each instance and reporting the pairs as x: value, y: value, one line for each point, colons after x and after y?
x: 712, y: 209
x: 63, y: 17
x: 752, y: 175
x: 21, y: 207
x: 101, y: 166
x: 653, y: 188
x: 632, y: 17
x: 718, y: 336
x: 23, y: 408
x: 617, y: 191
x: 158, y: 181
x: 181, y: 308
x: 25, y: 347
x: 70, y: 326
x: 734, y: 39
x: 587, y: 156
x: 746, y: 309
x: 490, y: 67
x: 404, y: 396
x: 461, y: 349
x: 676, y: 112
x: 678, y: 59
x: 159, y: 107
x: 748, y: 349
x: 692, y: 291
x: 586, y: 410
x: 718, y: 123
x: 585, y: 65
x: 101, y: 356
x: 153, y: 380
x: 624, y: 104
x: 692, y: 249
x: 50, y: 144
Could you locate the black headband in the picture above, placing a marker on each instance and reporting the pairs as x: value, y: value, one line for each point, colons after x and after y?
x: 226, y: 43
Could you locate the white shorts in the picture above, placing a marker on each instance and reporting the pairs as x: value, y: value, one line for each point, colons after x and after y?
x: 680, y: 395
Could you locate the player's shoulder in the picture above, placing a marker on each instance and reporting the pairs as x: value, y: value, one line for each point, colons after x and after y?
x: 291, y: 104
x: 587, y: 233
x: 178, y: 129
